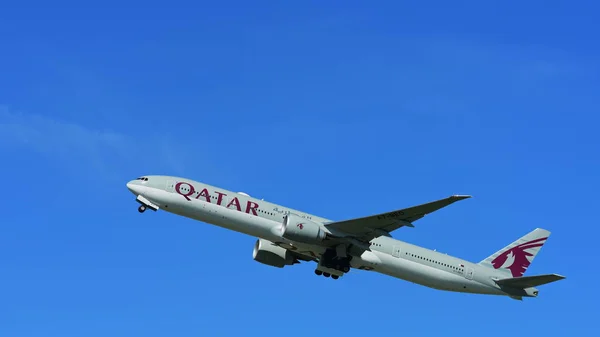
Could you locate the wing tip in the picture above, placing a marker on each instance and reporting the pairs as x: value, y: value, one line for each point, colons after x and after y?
x: 460, y: 196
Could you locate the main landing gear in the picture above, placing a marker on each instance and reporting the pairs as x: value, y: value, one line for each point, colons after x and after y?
x: 141, y: 209
x: 332, y: 265
x: 326, y: 274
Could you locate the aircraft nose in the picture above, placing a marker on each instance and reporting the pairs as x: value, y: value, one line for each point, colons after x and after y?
x: 133, y: 187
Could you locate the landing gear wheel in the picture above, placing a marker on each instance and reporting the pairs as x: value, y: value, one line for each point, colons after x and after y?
x: 346, y: 269
x: 318, y: 272
x: 326, y: 274
x: 141, y: 209
x: 335, y: 277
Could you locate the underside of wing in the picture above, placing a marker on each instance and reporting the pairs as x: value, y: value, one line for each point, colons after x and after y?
x: 373, y: 226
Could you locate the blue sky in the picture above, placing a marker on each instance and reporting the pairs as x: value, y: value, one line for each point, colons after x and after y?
x: 338, y: 108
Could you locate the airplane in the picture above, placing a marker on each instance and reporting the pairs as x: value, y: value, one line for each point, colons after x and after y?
x: 287, y: 236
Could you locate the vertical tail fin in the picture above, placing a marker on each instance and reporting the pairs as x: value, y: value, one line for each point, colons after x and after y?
x: 516, y: 257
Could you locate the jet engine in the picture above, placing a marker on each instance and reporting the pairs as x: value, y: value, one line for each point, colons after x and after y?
x: 270, y: 254
x: 298, y: 229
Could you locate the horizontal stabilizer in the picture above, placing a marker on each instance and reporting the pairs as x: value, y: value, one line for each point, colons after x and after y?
x: 529, y: 281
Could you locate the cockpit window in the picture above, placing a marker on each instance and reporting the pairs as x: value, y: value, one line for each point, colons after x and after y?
x: 142, y: 178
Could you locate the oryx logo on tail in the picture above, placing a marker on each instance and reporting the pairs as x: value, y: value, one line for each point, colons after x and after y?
x: 517, y: 258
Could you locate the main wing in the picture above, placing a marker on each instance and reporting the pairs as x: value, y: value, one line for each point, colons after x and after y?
x: 369, y: 227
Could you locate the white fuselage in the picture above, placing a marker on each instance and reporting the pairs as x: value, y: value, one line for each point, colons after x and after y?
x: 258, y: 218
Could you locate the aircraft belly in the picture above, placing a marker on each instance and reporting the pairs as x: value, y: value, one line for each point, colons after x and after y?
x: 426, y: 275
x: 418, y: 273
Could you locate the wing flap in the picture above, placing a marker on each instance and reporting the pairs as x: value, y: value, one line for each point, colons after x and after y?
x: 529, y: 281
x: 380, y: 224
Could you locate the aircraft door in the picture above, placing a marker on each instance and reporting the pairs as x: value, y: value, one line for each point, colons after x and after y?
x: 469, y: 273
x: 396, y: 251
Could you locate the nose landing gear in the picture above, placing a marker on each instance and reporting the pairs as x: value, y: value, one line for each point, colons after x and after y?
x: 145, y: 204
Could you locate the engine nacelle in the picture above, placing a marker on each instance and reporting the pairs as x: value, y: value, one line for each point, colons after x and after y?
x: 270, y: 254
x: 298, y: 229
